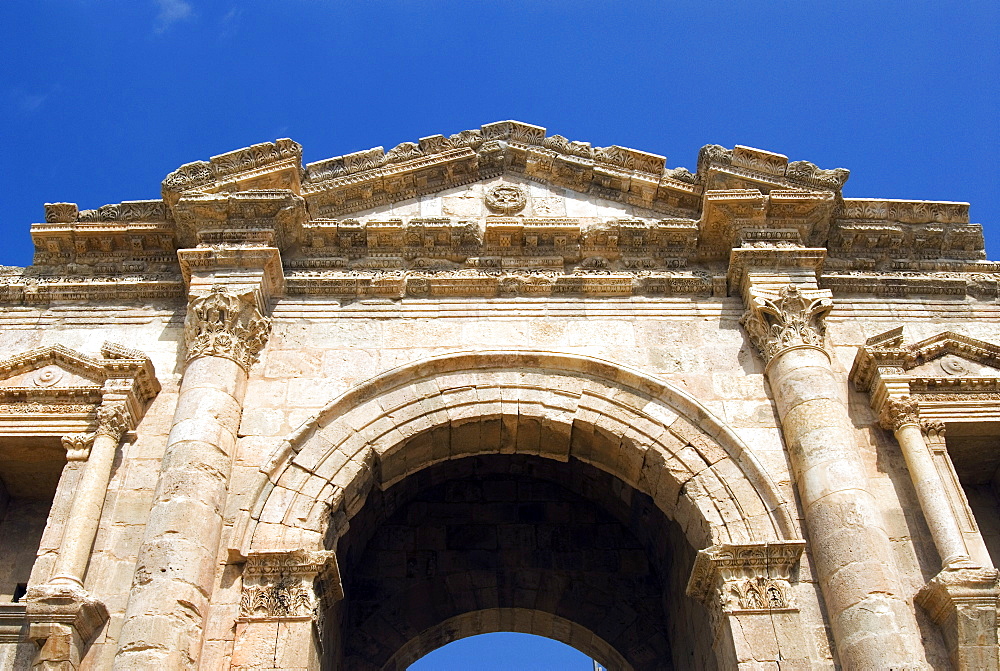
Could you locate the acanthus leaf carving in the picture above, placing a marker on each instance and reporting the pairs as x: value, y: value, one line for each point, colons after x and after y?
x: 789, y: 317
x: 279, y: 584
x: 753, y: 577
x: 897, y: 412
x: 77, y: 446
x: 112, y: 420
x: 227, y: 324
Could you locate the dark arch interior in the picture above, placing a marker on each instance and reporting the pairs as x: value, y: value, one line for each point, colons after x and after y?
x: 517, y: 534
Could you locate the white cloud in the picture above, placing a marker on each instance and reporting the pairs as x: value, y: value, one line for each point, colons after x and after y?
x: 171, y: 11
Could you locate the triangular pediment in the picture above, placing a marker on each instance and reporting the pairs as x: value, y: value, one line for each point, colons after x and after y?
x: 505, y: 195
x: 944, y: 355
x: 51, y: 367
x: 953, y: 355
x: 56, y: 370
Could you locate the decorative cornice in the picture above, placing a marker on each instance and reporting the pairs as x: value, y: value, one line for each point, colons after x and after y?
x: 778, y: 320
x: 746, y: 578
x: 279, y: 584
x: 228, y: 324
x: 262, y: 195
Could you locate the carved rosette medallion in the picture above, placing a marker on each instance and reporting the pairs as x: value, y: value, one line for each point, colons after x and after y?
x: 506, y: 199
x: 787, y: 318
x: 746, y: 578
x: 77, y: 446
x: 227, y: 324
x: 897, y: 412
x: 279, y: 585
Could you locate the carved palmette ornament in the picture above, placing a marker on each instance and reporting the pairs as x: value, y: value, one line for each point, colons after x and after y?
x: 757, y: 593
x: 280, y: 584
x: 789, y: 317
x: 227, y: 324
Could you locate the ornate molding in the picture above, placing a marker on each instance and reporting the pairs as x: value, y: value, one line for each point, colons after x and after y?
x: 54, y: 390
x: 786, y: 318
x: 227, y: 324
x: 280, y: 584
x: 897, y: 412
x: 746, y: 578
x: 77, y: 446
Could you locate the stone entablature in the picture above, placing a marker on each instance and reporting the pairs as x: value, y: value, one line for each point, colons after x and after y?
x: 674, y: 231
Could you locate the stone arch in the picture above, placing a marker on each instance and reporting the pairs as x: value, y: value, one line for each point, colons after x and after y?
x: 517, y: 620
x: 667, y: 445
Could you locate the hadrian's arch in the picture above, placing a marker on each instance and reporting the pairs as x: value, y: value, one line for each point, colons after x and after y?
x: 720, y: 418
x: 513, y: 441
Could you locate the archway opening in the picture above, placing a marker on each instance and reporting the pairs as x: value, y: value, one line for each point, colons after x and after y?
x: 514, y: 542
x: 503, y: 651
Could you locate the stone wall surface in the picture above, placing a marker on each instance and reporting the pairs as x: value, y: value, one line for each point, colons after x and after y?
x: 505, y: 381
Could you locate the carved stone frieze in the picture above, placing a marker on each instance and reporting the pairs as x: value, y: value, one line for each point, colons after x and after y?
x: 262, y: 195
x: 746, y: 578
x: 227, y: 324
x: 786, y: 318
x: 280, y: 584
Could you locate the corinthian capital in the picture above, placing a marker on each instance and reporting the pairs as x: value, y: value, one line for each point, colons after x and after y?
x: 777, y: 320
x: 112, y: 420
x: 228, y: 324
x: 899, y: 411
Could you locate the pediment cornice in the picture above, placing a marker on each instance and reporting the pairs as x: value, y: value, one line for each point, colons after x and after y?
x: 360, y: 219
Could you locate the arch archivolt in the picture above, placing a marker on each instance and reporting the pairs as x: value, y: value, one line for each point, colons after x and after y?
x: 647, y: 433
x: 519, y: 620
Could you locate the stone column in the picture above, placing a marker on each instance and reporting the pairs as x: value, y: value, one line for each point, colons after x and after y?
x: 901, y: 416
x: 62, y: 615
x: 873, y: 626
x: 224, y: 331
x: 279, y: 622
x: 747, y: 590
x: 88, y: 500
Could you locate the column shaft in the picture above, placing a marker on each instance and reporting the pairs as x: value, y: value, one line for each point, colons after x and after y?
x: 85, y: 512
x: 930, y: 492
x: 872, y: 624
x: 176, y: 565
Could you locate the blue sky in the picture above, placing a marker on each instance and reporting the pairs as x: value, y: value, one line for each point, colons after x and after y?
x: 100, y: 99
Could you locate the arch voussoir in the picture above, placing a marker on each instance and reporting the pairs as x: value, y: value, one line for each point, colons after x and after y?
x: 650, y: 435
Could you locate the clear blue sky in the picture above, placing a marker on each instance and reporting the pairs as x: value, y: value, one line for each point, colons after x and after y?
x: 100, y: 99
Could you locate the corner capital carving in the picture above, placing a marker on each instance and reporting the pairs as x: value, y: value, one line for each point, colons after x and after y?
x: 746, y: 578
x: 778, y: 320
x: 77, y: 446
x: 897, y: 412
x: 283, y: 584
x: 112, y: 420
x: 228, y: 324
